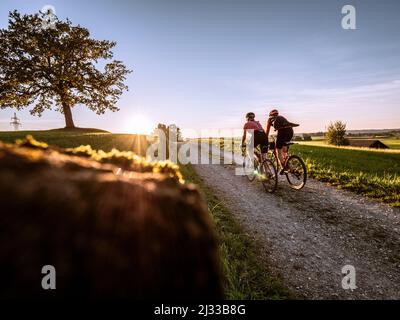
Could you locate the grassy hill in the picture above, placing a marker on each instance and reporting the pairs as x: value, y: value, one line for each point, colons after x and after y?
x: 69, y: 138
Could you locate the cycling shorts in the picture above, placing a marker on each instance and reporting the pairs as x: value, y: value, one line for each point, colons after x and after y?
x: 261, y: 139
x: 284, y: 135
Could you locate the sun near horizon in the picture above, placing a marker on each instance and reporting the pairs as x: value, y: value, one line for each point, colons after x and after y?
x: 138, y: 123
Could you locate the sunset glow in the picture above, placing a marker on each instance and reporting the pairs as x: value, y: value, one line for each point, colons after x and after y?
x: 138, y: 123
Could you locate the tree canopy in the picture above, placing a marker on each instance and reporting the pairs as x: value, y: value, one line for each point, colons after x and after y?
x: 57, y: 67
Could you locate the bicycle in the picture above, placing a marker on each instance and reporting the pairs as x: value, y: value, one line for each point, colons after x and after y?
x: 262, y: 168
x: 294, y: 169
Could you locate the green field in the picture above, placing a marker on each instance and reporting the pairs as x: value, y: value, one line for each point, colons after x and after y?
x: 370, y: 173
x: 98, y: 139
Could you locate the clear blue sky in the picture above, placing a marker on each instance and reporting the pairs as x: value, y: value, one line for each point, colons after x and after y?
x: 205, y: 63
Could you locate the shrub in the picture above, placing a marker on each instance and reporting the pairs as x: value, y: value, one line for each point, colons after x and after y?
x: 336, y: 134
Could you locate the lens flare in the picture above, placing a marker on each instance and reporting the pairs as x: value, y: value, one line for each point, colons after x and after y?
x: 139, y: 124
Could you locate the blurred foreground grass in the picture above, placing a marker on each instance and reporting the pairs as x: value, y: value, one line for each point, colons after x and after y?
x: 72, y: 138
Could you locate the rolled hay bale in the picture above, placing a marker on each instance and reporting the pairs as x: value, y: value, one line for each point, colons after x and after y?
x: 110, y: 232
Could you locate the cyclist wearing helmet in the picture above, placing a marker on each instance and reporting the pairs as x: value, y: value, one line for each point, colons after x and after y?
x: 284, y: 135
x: 259, y: 136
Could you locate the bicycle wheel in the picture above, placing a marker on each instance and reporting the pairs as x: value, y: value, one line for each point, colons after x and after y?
x: 268, y: 176
x: 250, y: 167
x: 296, y: 173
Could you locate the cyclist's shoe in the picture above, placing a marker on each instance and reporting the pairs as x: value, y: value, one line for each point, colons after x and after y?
x: 283, y: 171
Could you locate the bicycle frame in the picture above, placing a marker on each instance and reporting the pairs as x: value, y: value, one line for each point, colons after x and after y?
x: 285, y: 156
x: 286, y: 167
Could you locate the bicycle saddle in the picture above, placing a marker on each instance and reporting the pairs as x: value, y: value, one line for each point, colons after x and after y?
x: 289, y: 143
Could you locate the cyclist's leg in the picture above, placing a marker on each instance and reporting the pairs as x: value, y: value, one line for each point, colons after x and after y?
x: 284, y: 136
x: 279, y: 146
x: 284, y: 156
x: 281, y: 160
x: 262, y: 141
x: 285, y: 150
x: 264, y: 153
x: 277, y: 157
x: 257, y: 142
x: 256, y: 153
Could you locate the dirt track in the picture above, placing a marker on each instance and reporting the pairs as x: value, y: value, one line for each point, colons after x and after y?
x: 307, y: 236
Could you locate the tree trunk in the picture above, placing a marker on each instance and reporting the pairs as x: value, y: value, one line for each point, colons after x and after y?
x: 69, y: 122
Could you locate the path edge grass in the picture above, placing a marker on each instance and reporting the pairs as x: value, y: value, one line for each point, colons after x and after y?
x: 245, y: 275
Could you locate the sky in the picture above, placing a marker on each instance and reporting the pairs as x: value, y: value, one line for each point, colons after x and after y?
x: 203, y: 64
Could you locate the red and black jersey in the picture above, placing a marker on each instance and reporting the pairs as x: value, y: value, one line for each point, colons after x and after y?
x: 280, y: 122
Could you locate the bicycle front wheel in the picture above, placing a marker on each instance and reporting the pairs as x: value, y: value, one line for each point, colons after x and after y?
x: 268, y: 176
x: 296, y: 172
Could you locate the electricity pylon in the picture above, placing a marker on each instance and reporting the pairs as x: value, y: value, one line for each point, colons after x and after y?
x: 15, y: 122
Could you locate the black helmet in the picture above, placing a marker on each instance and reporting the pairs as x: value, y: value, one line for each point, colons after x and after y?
x: 273, y: 113
x: 250, y: 115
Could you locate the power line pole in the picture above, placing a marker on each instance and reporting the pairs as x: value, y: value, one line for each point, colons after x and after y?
x: 15, y: 122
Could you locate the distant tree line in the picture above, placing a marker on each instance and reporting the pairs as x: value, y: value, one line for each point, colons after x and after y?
x: 394, y: 134
x: 303, y: 137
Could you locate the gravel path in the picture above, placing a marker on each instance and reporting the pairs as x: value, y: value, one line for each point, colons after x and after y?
x: 307, y: 236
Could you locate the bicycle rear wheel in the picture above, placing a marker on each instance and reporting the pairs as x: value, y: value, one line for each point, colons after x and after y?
x: 268, y: 176
x: 296, y: 172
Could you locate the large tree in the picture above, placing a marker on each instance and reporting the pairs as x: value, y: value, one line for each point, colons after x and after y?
x: 57, y: 67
